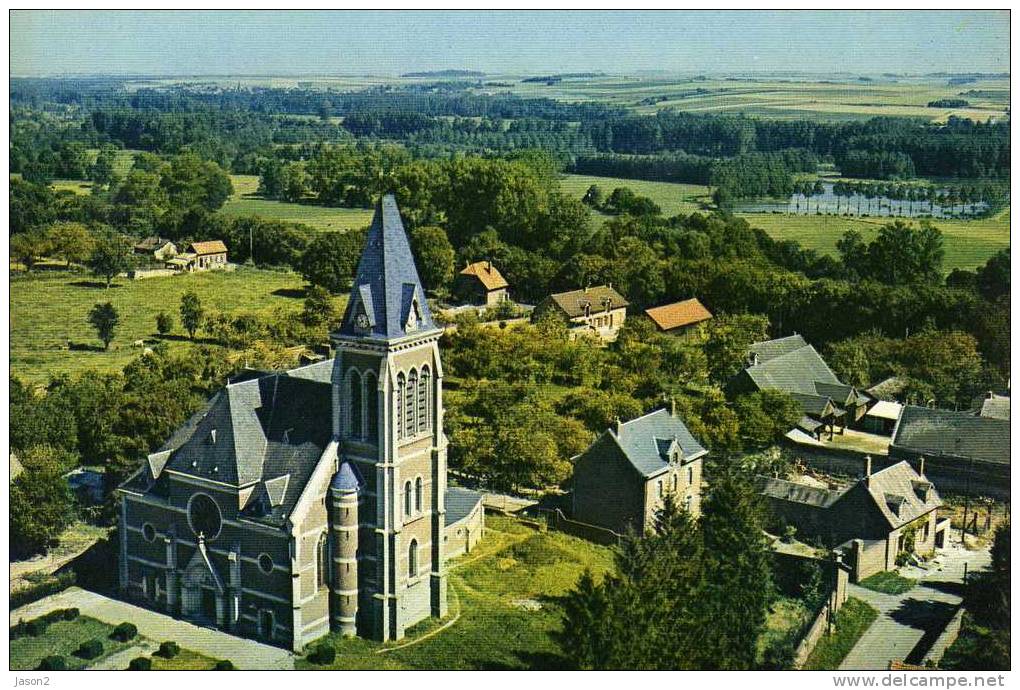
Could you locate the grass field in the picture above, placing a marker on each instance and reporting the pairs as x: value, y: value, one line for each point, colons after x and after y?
x: 495, y: 588
x: 852, y: 620
x: 62, y: 638
x: 48, y: 313
x: 244, y: 202
x: 672, y: 198
x: 968, y: 244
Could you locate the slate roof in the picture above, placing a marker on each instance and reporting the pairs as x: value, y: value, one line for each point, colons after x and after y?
x: 884, y: 409
x: 347, y: 478
x: 460, y: 503
x: 572, y: 303
x: 794, y: 371
x: 900, y: 493
x: 685, y: 313
x: 486, y: 274
x: 888, y: 389
x: 386, y: 283
x: 949, y: 433
x: 770, y: 349
x: 800, y: 493
x: 210, y: 247
x: 645, y: 441
x: 265, y: 433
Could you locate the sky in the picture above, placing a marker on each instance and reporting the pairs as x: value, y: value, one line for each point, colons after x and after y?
x: 531, y: 42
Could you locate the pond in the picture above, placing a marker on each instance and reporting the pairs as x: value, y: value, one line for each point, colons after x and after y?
x: 829, y: 203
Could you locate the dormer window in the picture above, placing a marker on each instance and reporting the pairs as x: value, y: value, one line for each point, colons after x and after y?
x: 413, y: 317
x: 212, y: 436
x: 587, y: 309
x: 361, y: 320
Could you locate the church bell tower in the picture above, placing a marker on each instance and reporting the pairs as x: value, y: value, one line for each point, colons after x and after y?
x: 388, y: 416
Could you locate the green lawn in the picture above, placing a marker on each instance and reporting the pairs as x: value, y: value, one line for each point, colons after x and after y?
x: 851, y: 621
x: 494, y: 587
x: 62, y: 638
x: 888, y: 582
x: 786, y: 618
x: 49, y: 309
x: 186, y: 660
x: 672, y: 197
x: 244, y: 202
x: 968, y: 244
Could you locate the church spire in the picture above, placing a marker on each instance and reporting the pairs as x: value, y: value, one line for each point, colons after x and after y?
x: 387, y: 299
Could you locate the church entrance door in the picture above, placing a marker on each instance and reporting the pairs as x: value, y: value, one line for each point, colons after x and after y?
x: 208, y: 604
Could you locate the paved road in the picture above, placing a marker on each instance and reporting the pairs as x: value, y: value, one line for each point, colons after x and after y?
x: 910, y: 622
x: 246, y: 654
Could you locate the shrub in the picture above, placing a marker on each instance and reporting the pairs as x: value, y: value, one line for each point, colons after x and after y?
x: 169, y: 649
x: 52, y: 663
x: 124, y: 632
x: 322, y: 655
x: 71, y: 614
x: 57, y: 583
x: 224, y: 665
x: 19, y: 630
x: 37, y: 627
x: 140, y: 663
x: 90, y: 649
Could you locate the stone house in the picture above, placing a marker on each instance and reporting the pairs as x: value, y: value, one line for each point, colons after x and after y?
x: 791, y: 365
x: 201, y: 256
x: 621, y: 480
x: 157, y: 248
x: 599, y: 311
x: 465, y: 521
x: 299, y: 502
x: 684, y: 319
x: 887, y: 512
x: 481, y: 284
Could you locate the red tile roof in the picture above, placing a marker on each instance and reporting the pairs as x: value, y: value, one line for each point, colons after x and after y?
x: 212, y: 247
x: 670, y: 316
x: 487, y: 275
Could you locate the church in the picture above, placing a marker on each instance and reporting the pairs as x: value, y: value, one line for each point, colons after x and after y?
x: 299, y: 502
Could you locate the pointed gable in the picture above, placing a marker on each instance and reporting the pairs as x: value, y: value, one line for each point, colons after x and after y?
x: 387, y: 300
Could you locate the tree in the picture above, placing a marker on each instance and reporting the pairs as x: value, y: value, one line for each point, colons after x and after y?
x: 191, y: 182
x: 593, y: 197
x: 110, y: 256
x: 319, y: 307
x: 164, y: 323
x: 331, y: 258
x: 28, y: 246
x: 103, y: 171
x: 434, y: 256
x: 903, y: 254
x: 191, y: 313
x: 41, y: 507
x: 104, y: 319
x: 993, y: 278
x: 729, y: 337
x: 765, y: 416
x: 71, y: 242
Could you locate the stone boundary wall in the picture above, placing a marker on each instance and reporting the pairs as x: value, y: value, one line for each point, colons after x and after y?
x: 593, y: 533
x: 810, y: 640
x: 946, y: 639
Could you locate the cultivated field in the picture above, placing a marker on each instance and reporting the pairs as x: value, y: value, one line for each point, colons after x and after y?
x: 244, y: 202
x: 49, y: 309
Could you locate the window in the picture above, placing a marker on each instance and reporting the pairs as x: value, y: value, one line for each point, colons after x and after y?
x: 265, y: 563
x: 149, y: 532
x: 321, y: 561
x: 676, y: 483
x: 659, y: 488
x: 400, y: 405
x: 204, y: 516
x: 424, y: 395
x: 372, y: 406
x: 355, y: 398
x: 407, y: 499
x: 687, y: 503
x: 409, y: 400
x: 417, y: 494
x: 412, y: 559
x: 690, y: 475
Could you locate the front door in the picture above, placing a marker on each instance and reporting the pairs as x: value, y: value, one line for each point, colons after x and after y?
x: 208, y: 604
x: 266, y: 624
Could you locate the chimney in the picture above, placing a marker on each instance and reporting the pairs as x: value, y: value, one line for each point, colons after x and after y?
x: 672, y: 407
x: 754, y: 359
x: 610, y: 286
x: 990, y: 395
x: 488, y: 266
x: 586, y: 288
x: 867, y: 470
x: 920, y: 467
x: 619, y: 428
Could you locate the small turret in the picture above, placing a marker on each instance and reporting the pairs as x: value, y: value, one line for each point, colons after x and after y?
x: 344, y: 490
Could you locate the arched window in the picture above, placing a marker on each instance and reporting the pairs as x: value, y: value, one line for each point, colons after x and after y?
x: 372, y: 406
x: 424, y: 398
x: 355, y: 398
x: 400, y: 405
x: 407, y: 499
x: 322, y: 561
x: 417, y: 495
x: 412, y: 559
x: 409, y: 400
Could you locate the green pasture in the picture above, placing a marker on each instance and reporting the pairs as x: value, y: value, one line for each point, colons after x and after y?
x: 244, y: 202
x: 673, y: 198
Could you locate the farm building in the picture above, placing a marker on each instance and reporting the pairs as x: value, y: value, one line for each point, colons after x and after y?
x: 156, y: 248
x: 465, y: 521
x: 315, y: 499
x: 876, y: 519
x: 881, y: 417
x: 963, y: 451
x: 620, y: 481
x: 680, y: 318
x: 992, y: 405
x: 201, y: 256
x: 791, y: 365
x: 599, y: 311
x: 481, y: 284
